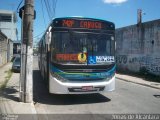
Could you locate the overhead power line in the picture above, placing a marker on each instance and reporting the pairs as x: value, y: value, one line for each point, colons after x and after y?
x: 19, y: 6
x: 43, y: 14
x: 48, y: 10
x: 38, y: 34
x: 54, y: 8
x: 51, y: 8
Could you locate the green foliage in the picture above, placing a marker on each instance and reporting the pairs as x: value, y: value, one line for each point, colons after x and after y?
x: 7, y: 78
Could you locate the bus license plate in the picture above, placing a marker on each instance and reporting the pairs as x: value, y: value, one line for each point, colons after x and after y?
x: 87, y: 88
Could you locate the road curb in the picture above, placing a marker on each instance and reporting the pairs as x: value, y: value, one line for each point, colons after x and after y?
x: 33, y: 109
x: 139, y: 83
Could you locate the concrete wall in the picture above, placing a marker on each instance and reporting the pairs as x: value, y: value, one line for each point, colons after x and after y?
x: 138, y: 48
x: 6, y: 49
x: 9, y: 28
x: 10, y: 50
x: 3, y: 49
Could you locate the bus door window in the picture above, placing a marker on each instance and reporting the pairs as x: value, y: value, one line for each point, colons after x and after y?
x: 66, y: 42
x: 108, y: 46
x: 98, y: 45
x: 92, y: 44
x: 83, y: 43
x: 101, y: 45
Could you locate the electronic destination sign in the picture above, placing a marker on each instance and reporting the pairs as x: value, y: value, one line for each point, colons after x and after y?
x: 83, y: 23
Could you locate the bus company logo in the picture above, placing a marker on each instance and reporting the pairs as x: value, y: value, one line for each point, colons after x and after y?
x: 82, y: 57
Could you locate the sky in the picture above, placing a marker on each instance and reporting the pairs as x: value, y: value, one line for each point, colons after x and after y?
x: 121, y: 12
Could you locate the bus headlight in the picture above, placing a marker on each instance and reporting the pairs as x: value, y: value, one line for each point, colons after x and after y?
x: 109, y: 77
x: 58, y: 77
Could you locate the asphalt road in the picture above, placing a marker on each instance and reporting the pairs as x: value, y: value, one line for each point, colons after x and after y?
x: 127, y: 98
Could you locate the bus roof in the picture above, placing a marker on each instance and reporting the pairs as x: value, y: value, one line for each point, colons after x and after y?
x: 78, y: 18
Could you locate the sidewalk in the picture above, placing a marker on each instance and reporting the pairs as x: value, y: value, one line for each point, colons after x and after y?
x: 137, y: 80
x: 9, y: 97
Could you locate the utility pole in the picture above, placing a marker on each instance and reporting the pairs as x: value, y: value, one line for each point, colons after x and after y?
x: 26, y: 79
x: 139, y: 17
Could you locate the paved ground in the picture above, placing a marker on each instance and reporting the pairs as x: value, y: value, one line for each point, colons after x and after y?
x: 3, y: 73
x: 127, y: 98
x: 136, y: 80
x: 10, y: 106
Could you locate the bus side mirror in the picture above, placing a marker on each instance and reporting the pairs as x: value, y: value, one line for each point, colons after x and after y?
x: 49, y: 37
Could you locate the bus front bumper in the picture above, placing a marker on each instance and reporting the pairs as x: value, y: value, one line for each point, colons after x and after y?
x: 58, y: 87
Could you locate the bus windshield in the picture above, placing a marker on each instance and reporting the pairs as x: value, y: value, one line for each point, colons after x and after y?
x: 67, y: 45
